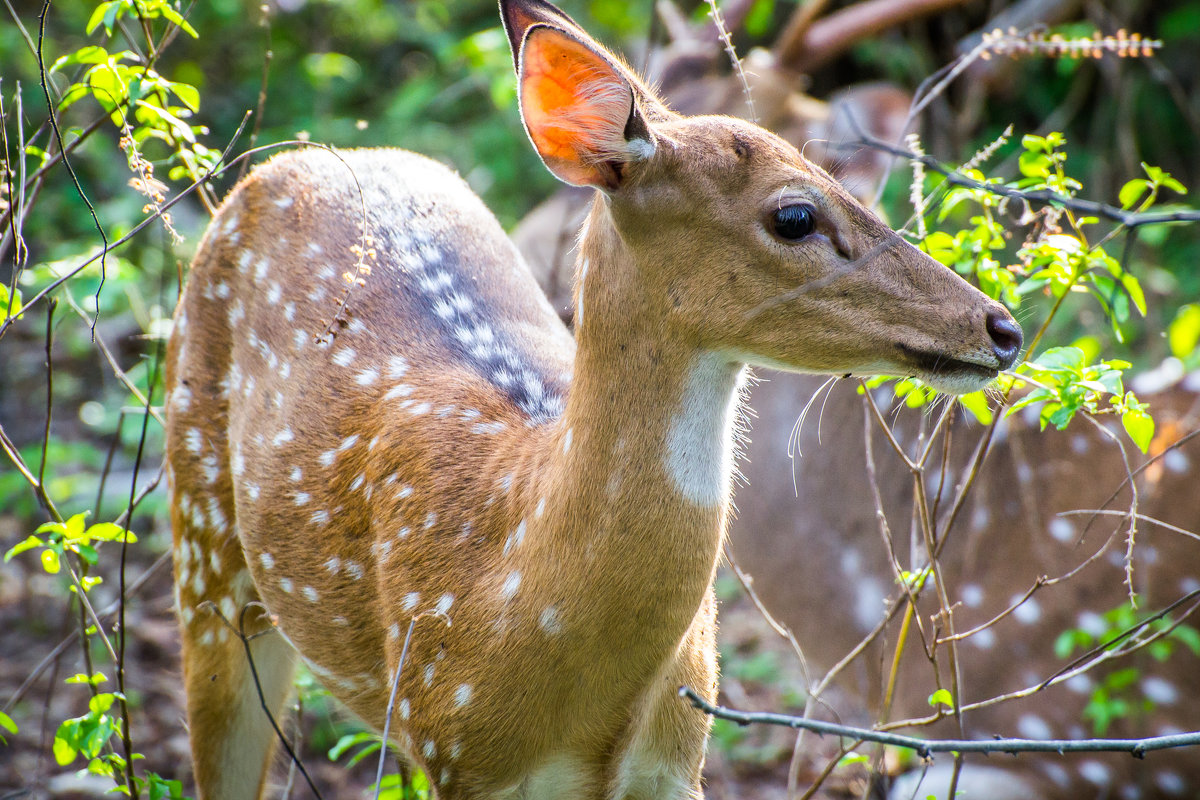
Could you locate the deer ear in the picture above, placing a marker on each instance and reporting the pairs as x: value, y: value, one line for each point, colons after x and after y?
x: 580, y: 108
x: 521, y: 15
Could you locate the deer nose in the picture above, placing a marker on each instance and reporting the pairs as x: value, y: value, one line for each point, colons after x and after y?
x: 1006, y: 336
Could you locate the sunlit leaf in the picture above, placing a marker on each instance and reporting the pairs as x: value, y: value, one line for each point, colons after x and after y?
x: 29, y: 543
x: 1183, y: 334
x: 976, y: 403
x: 1140, y: 427
x: 50, y: 561
x: 942, y: 696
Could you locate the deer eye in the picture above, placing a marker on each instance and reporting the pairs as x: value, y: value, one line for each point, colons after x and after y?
x: 793, y: 222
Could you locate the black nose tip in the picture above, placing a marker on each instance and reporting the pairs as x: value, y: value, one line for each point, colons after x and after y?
x: 1006, y: 337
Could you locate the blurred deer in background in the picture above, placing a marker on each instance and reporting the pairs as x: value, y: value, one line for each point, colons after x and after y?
x: 552, y: 507
x: 817, y: 543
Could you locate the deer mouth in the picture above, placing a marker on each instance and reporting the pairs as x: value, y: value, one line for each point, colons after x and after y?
x: 941, y: 365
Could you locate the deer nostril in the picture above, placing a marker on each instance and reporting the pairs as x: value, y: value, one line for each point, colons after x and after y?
x: 1006, y: 337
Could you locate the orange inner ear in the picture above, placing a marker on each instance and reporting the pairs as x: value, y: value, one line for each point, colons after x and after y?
x: 575, y: 106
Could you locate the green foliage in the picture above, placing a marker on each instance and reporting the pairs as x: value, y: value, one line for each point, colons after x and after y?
x: 71, y: 536
x: 109, y: 12
x: 142, y: 103
x: 1066, y: 385
x: 1056, y: 260
x: 1118, y: 694
x: 10, y: 304
x: 432, y: 75
x: 362, y: 744
x: 6, y: 722
x: 88, y: 735
x: 393, y: 787
x: 1183, y: 335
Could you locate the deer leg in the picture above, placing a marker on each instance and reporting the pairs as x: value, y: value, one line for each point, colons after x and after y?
x: 231, y: 735
x: 232, y: 738
x: 664, y: 754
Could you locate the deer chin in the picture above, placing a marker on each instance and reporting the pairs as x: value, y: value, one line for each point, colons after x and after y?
x: 958, y: 381
x: 947, y: 373
x: 944, y: 373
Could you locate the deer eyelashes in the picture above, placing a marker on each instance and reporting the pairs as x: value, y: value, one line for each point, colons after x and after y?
x: 794, y: 222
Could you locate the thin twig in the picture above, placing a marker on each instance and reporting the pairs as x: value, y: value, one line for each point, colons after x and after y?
x: 927, y: 747
x: 240, y: 632
x: 53, y: 117
x: 1129, y: 219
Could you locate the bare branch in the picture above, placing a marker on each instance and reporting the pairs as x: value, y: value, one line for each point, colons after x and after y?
x: 1129, y: 219
x: 927, y: 747
x: 804, y: 47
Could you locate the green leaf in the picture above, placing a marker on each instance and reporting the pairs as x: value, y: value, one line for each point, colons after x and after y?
x: 188, y: 95
x: 1034, y: 165
x: 74, y: 527
x: 6, y: 722
x: 87, y: 553
x: 1183, y: 334
x: 97, y: 16
x: 110, y: 532
x: 1070, y: 358
x: 52, y: 527
x: 976, y: 403
x: 1134, y: 288
x: 1174, y: 185
x: 10, y: 305
x: 1140, y: 427
x: 102, y: 702
x: 82, y: 677
x: 30, y: 542
x: 348, y: 741
x: 91, y: 54
x: 177, y: 18
x: 50, y: 561
x: 1060, y: 417
x: 64, y: 751
x: 1132, y: 191
x: 850, y: 759
x: 942, y: 696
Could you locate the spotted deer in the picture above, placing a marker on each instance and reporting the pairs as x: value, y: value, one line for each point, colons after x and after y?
x: 544, y: 511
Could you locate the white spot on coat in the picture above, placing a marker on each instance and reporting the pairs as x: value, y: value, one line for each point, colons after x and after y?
x: 511, y: 584
x: 549, y: 621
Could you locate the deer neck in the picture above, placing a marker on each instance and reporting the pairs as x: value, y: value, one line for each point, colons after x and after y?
x: 645, y: 447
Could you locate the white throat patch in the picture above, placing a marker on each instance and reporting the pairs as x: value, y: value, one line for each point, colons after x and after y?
x: 699, y: 454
